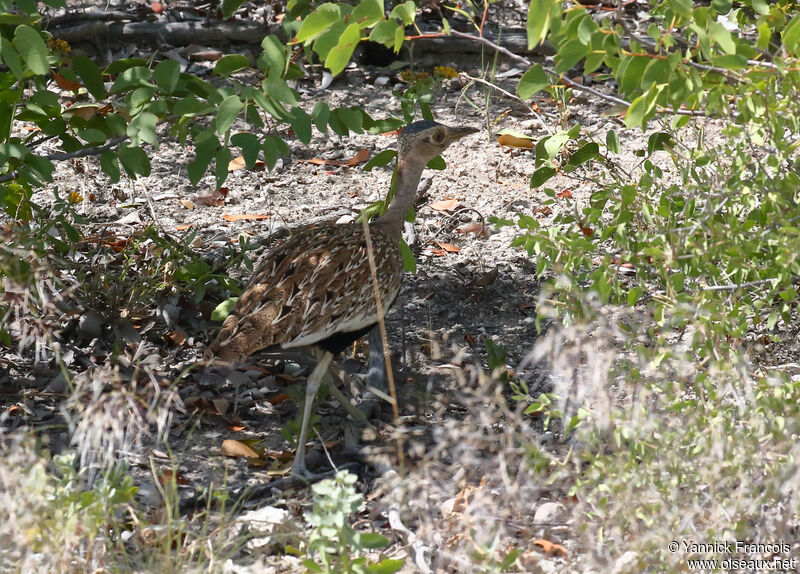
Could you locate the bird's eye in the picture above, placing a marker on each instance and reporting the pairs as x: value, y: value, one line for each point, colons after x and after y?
x: 438, y: 137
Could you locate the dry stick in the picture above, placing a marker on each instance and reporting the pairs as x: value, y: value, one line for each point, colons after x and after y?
x: 563, y: 79
x: 382, y: 325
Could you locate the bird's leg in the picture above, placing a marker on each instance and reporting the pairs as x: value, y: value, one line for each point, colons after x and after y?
x: 312, y: 386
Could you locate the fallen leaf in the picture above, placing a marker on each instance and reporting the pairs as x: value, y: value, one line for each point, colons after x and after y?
x: 157, y: 7
x: 476, y: 228
x: 244, y: 217
x: 236, y: 428
x: 360, y: 157
x: 168, y: 475
x: 187, y: 204
x: 221, y: 405
x: 448, y: 204
x: 64, y: 83
x: 83, y: 112
x: 236, y: 163
x: 175, y: 337
x: 546, y: 210
x: 449, y: 247
x: 470, y: 340
x: 509, y: 140
x: 236, y: 448
x: 566, y: 193
x: 551, y: 548
x: 216, y: 199
x: 278, y: 399
x: 183, y: 227
x: 587, y: 231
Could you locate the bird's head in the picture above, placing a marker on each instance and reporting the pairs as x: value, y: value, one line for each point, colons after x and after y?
x: 422, y: 141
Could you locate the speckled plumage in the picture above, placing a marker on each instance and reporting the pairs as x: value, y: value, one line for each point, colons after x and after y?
x: 315, y: 284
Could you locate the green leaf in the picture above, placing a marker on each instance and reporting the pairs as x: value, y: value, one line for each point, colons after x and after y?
x: 553, y: 144
x: 301, y: 124
x: 373, y: 540
x: 352, y: 118
x: 119, y: 66
x: 228, y: 111
x: 641, y: 108
x: 134, y: 160
x: 722, y: 37
x: 204, y: 151
x: 541, y: 175
x: 437, y: 163
x: 630, y: 71
x: 11, y: 59
x: 760, y: 7
x: 320, y: 115
x: 229, y: 7
x: 316, y: 23
x: 532, y: 81
x: 166, y: 74
x: 274, y: 57
x: 589, y: 151
x: 386, y: 566
x: 405, y: 12
x: 222, y: 159
x: 612, y: 142
x: 90, y: 75
x: 381, y: 159
x: 340, y: 54
x: 273, y: 147
x: 250, y: 147
x: 368, y: 13
x: 143, y: 129
x: 659, y: 141
x: 409, y: 262
x: 110, y: 165
x: 384, y: 32
x: 540, y: 16
x: 230, y: 63
x: 32, y: 48
x: 682, y: 8
x: 791, y: 35
x: 569, y: 55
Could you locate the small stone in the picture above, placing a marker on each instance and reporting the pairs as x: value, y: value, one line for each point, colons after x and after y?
x: 550, y: 513
x: 381, y: 81
x: 170, y: 313
x: 90, y: 325
x: 269, y: 529
x: 57, y: 385
x: 626, y: 563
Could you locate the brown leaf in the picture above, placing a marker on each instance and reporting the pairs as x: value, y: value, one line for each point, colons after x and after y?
x: 449, y: 247
x: 166, y: 476
x: 157, y: 7
x: 236, y: 428
x: 216, y: 199
x: 470, y: 340
x: 546, y: 210
x: 83, y: 112
x: 566, y: 193
x: 237, y: 448
x: 476, y: 228
x: 515, y: 141
x: 244, y: 217
x: 221, y: 405
x: 64, y: 83
x: 175, y: 337
x: 183, y: 227
x: 447, y: 204
x: 551, y: 548
x: 360, y: 157
x: 188, y: 204
x: 278, y: 399
x: 236, y: 163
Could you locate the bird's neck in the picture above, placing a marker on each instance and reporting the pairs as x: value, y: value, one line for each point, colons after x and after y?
x: 408, y: 174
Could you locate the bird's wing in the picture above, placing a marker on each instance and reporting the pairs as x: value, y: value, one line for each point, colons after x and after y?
x: 315, y: 284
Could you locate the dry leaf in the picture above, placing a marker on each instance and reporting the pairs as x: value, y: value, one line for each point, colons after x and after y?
x: 236, y: 428
x: 449, y: 247
x: 221, y: 405
x: 546, y: 210
x: 360, y: 157
x: 515, y: 141
x: 175, y: 337
x: 551, y: 548
x: 83, y: 112
x: 448, y: 204
x: 244, y: 217
x: 236, y: 163
x: 566, y: 193
x: 187, y: 204
x: 278, y: 399
x: 183, y: 227
x: 476, y: 228
x: 166, y: 476
x: 485, y: 279
x: 157, y: 7
x: 236, y: 448
x: 64, y: 83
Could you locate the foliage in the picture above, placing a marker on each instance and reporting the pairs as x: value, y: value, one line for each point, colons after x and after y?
x: 334, y: 546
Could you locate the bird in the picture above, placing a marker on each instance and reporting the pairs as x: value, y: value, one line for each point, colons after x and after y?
x: 316, y: 288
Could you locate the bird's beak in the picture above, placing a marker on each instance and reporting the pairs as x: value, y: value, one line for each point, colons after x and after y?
x: 459, y: 132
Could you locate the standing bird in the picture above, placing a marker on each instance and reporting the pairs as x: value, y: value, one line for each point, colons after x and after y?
x: 316, y: 288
